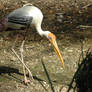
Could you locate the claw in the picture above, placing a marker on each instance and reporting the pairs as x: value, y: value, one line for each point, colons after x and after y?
x: 26, y: 81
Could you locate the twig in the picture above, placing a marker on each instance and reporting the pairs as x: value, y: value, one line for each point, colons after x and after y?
x: 86, y: 6
x: 84, y: 26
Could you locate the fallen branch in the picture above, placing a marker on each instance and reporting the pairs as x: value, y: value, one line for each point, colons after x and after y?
x: 84, y: 26
x: 86, y: 6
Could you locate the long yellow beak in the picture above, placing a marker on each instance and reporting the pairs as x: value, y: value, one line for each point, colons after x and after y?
x: 54, y: 43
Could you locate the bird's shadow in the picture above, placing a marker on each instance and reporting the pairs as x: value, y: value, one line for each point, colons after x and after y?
x: 10, y: 71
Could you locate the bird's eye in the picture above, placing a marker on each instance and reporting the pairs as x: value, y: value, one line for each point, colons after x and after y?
x: 50, y: 38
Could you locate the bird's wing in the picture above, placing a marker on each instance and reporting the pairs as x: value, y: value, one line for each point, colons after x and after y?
x: 23, y: 20
x: 21, y: 16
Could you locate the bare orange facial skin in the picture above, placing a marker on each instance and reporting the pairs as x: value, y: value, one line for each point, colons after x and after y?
x: 51, y: 36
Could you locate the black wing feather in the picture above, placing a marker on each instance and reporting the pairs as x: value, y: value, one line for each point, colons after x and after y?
x: 23, y: 20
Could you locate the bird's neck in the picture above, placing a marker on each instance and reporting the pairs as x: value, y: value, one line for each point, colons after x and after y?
x: 41, y: 32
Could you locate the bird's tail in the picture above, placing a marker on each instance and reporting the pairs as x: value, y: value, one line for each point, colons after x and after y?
x: 3, y: 24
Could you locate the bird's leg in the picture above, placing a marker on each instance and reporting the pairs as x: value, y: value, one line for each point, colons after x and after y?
x: 22, y: 62
x: 21, y: 52
x: 19, y: 57
x: 25, y: 36
x: 14, y: 43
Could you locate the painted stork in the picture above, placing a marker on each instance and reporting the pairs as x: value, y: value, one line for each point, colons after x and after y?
x: 22, y: 18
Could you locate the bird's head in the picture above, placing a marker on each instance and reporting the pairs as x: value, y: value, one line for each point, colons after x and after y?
x: 52, y: 38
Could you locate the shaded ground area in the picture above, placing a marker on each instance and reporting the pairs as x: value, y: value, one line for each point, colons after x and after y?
x: 74, y: 37
x: 83, y: 74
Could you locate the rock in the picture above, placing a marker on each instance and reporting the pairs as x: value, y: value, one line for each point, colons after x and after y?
x: 59, y: 17
x: 64, y: 89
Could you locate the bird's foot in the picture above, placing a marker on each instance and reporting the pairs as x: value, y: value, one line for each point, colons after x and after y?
x: 26, y: 81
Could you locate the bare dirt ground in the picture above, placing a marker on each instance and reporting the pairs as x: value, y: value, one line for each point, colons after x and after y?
x: 74, y: 37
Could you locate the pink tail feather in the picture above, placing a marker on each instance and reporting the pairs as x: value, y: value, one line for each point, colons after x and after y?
x: 3, y: 24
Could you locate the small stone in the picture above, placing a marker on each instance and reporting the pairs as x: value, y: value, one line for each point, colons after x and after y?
x: 13, y: 58
x: 64, y: 89
x: 70, y: 50
x: 71, y: 90
x: 2, y: 61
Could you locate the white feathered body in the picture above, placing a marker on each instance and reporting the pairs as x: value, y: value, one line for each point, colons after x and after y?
x: 30, y: 11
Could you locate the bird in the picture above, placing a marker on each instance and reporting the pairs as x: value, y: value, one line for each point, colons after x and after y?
x: 24, y: 17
